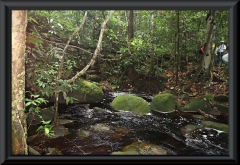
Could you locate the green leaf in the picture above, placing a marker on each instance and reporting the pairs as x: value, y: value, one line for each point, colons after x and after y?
x: 64, y: 95
x: 39, y: 128
x: 46, y: 131
x: 46, y: 122
x: 28, y: 99
x: 36, y: 96
x: 28, y: 103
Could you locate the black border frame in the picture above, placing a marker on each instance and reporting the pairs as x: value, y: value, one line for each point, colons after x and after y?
x: 5, y: 76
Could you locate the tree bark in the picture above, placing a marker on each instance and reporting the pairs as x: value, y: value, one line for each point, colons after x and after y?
x: 151, y: 70
x: 178, y: 49
x: 206, y: 53
x: 19, y: 128
x: 130, y: 30
x: 210, y: 26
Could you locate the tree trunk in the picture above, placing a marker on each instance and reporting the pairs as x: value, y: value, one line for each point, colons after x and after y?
x: 204, y: 60
x: 61, y: 67
x: 177, y: 50
x: 97, y: 50
x: 130, y: 30
x: 151, y: 66
x: 19, y: 128
x: 210, y: 26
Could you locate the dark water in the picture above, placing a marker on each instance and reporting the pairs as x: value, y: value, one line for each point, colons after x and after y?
x: 160, y: 129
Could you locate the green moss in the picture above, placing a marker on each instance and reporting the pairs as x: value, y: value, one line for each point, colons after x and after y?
x: 218, y: 126
x: 210, y: 98
x: 125, y: 153
x: 131, y: 103
x: 222, y: 108
x: 163, y: 102
x: 200, y: 103
x: 87, y: 92
x: 194, y: 104
x: 198, y: 116
x: 145, y: 148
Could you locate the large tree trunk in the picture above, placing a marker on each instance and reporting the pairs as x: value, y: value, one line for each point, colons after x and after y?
x: 205, y: 61
x: 19, y: 131
x: 210, y: 30
x: 130, y: 70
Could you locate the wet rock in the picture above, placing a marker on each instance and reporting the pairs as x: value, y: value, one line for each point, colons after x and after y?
x: 189, y: 128
x: 130, y: 103
x: 47, y: 114
x: 59, y: 131
x: 125, y: 153
x: 198, y: 117
x: 120, y: 130
x: 204, y: 103
x: 100, y: 110
x: 116, y: 136
x: 141, y: 148
x: 65, y: 121
x: 214, y: 125
x: 53, y: 151
x: 101, y: 128
x: 221, y: 98
x: 83, y: 133
x: 163, y: 103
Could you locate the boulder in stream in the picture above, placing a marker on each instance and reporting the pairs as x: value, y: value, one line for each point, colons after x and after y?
x: 164, y: 102
x: 86, y: 92
x: 215, y: 125
x: 141, y: 148
x: 134, y: 104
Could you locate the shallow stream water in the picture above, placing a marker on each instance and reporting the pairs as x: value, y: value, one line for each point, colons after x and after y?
x: 124, y: 128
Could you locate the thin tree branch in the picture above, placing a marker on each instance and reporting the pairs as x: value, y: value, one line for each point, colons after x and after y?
x: 97, y: 50
x: 61, y: 67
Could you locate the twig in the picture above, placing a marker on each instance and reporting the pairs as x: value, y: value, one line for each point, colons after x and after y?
x: 205, y: 114
x: 75, y: 145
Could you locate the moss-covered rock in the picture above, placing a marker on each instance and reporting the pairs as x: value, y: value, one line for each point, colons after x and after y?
x: 221, y: 98
x: 201, y: 103
x: 101, y: 127
x: 218, y: 126
x: 130, y: 103
x: 86, y: 92
x: 222, y: 108
x: 144, y: 148
x: 188, y: 128
x: 194, y: 104
x: 125, y: 153
x: 83, y: 133
x: 210, y: 98
x: 163, y: 103
x: 198, y: 117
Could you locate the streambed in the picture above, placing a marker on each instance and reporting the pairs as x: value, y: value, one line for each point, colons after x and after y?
x: 97, y: 130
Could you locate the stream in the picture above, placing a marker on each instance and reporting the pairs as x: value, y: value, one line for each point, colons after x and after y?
x: 95, y: 132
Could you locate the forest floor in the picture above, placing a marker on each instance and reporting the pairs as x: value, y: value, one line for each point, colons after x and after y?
x: 218, y: 85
